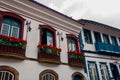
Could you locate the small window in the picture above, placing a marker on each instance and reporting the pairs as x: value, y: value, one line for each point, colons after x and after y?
x: 15, y: 32
x: 48, y: 76
x: 48, y: 36
x: 114, y: 40
x: 72, y: 43
x: 5, y: 29
x: 10, y: 27
x: 104, y: 72
x: 97, y: 37
x: 87, y: 36
x: 106, y: 38
x: 93, y: 71
x: 6, y: 75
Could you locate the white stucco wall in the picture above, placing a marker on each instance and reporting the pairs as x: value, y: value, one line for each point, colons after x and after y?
x: 29, y: 69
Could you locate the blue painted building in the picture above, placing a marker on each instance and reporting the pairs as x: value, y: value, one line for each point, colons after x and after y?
x: 101, y: 45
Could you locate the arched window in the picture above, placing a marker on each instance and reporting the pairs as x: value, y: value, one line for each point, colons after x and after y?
x: 11, y: 24
x: 73, y: 45
x: 48, y: 35
x: 77, y: 76
x: 8, y: 73
x: 48, y: 75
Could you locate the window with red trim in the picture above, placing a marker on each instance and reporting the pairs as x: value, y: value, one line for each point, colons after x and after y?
x: 48, y: 36
x: 11, y: 24
x: 72, y: 43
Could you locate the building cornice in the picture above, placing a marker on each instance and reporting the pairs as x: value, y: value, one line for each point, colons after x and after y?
x: 29, y: 9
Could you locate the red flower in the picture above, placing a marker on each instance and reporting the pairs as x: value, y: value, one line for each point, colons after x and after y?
x: 59, y: 49
x: 76, y: 53
x: 50, y: 47
x: 13, y: 39
x: 1, y: 36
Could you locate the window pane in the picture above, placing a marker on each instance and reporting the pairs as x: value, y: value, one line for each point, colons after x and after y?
x: 87, y: 35
x: 5, y: 29
x: 48, y: 76
x: 114, y: 41
x: 15, y: 32
x: 5, y: 75
x: 93, y: 72
x: 97, y: 37
x: 72, y: 45
x: 104, y: 72
x: 106, y: 38
x: 49, y: 38
x: 0, y: 75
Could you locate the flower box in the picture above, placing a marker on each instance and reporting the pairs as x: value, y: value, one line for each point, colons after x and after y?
x: 12, y: 47
x: 76, y: 59
x: 49, y: 54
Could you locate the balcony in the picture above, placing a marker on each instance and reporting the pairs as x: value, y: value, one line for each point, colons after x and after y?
x: 108, y: 49
x: 12, y: 52
x: 12, y: 47
x: 49, y: 54
x: 76, y: 59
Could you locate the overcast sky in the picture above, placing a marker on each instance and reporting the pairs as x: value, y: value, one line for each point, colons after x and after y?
x: 103, y: 11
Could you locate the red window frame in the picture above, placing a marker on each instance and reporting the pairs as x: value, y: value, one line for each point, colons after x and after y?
x: 49, y: 28
x: 75, y: 38
x: 19, y: 18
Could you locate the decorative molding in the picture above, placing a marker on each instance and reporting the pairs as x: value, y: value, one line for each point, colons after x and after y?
x: 41, y: 16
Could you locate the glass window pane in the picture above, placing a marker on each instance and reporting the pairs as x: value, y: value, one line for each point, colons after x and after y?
x: 97, y: 37
x: 15, y: 32
x: 93, y: 72
x: 114, y: 40
x: 1, y: 75
x: 49, y: 38
x: 104, y: 72
x: 87, y: 35
x: 106, y: 39
x: 48, y: 76
x: 6, y: 75
x: 5, y: 29
x: 72, y: 45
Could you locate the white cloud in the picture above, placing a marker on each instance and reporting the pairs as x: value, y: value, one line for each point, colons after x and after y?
x: 104, y: 11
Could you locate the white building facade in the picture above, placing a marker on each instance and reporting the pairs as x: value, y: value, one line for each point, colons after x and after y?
x: 101, y: 46
x: 38, y: 43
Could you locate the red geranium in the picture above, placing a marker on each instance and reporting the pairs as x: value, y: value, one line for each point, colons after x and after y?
x: 76, y: 53
x: 50, y: 47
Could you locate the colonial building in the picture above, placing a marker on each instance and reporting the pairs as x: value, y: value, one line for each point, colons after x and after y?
x: 100, y: 44
x: 38, y: 43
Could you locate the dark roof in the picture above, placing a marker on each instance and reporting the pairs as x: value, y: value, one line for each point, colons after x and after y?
x: 83, y: 21
x: 52, y: 9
